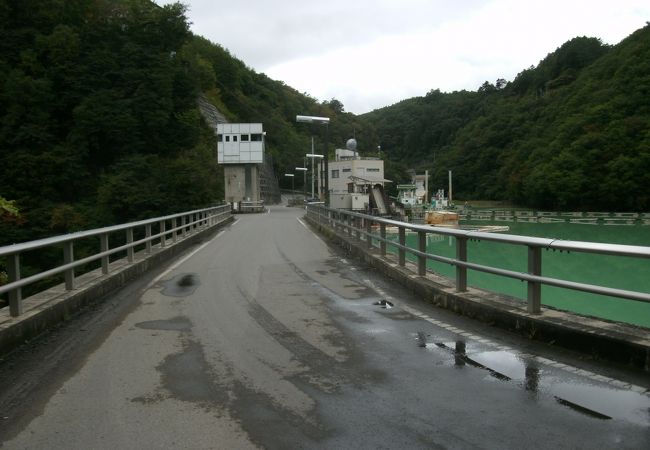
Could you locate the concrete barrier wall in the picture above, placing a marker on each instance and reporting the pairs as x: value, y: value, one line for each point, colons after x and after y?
x: 612, y: 341
x: 53, y: 306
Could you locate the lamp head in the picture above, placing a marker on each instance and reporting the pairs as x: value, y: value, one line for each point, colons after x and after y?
x: 312, y: 119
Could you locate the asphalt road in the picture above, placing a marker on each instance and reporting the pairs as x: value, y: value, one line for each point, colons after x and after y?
x: 265, y: 337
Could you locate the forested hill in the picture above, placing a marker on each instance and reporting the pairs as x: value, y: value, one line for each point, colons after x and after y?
x: 99, y: 121
x: 571, y: 133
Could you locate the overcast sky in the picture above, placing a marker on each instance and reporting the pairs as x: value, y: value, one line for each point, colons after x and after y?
x: 370, y: 54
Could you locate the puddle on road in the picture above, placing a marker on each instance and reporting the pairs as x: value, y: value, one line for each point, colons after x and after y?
x: 582, y: 409
x: 599, y: 401
x: 461, y: 359
x: 179, y: 323
x: 605, y: 401
x: 186, y: 375
x: 181, y: 285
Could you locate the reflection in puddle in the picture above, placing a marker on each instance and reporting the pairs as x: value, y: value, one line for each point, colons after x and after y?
x: 608, y: 401
x: 422, y: 339
x: 582, y: 409
x: 584, y: 396
x: 462, y: 359
x: 531, y: 382
x: 503, y: 362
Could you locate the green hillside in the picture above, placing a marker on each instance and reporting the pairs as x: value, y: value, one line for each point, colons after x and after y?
x: 99, y: 122
x: 571, y: 133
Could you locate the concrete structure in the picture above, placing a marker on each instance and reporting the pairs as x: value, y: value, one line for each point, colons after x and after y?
x: 416, y: 192
x: 242, y: 183
x: 240, y: 148
x: 353, y: 178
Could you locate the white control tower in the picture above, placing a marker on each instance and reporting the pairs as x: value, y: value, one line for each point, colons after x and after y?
x: 240, y: 148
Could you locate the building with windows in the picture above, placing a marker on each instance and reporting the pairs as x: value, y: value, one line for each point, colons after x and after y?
x: 357, y: 182
x: 240, y: 148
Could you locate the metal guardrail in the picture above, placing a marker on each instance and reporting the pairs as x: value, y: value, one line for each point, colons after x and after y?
x: 180, y: 225
x: 361, y: 225
x: 251, y: 207
x: 591, y: 217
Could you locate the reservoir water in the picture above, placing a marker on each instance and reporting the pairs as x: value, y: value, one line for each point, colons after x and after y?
x: 617, y: 272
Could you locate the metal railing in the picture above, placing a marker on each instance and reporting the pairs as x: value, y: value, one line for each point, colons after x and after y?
x: 169, y: 229
x: 251, y: 207
x: 360, y: 226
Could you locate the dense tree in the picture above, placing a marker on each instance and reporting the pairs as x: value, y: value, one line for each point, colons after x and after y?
x: 570, y: 133
x: 99, y: 121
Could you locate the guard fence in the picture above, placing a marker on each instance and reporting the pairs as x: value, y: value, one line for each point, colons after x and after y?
x: 361, y: 226
x: 151, y: 234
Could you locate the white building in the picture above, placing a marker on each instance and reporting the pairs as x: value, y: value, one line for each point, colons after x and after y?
x: 240, y: 148
x: 356, y: 182
x: 240, y: 143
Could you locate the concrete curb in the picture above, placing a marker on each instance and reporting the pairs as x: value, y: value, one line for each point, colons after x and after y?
x: 611, y: 341
x: 48, y: 308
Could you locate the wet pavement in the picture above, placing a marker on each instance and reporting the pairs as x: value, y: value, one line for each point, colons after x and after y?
x: 268, y: 338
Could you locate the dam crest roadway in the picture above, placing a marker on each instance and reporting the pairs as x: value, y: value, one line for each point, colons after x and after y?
x: 264, y: 335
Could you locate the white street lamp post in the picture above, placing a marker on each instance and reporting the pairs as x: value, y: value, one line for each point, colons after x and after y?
x: 324, y: 121
x: 292, y: 176
x: 304, y: 180
x: 312, y: 156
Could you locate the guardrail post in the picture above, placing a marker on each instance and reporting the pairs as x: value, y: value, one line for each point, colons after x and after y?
x: 163, y: 241
x: 402, y: 242
x: 103, y: 247
x: 349, y: 222
x: 461, y: 272
x: 129, y: 241
x: 68, y: 257
x: 147, y: 232
x: 358, y: 223
x: 534, y: 288
x: 174, y: 232
x: 382, y: 233
x: 183, y: 231
x: 15, y: 295
x: 422, y: 247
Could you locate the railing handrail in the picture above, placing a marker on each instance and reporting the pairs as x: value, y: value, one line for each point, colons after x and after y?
x: 55, y: 240
x: 251, y: 203
x: 535, y: 245
x: 552, y: 244
x: 190, y: 222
